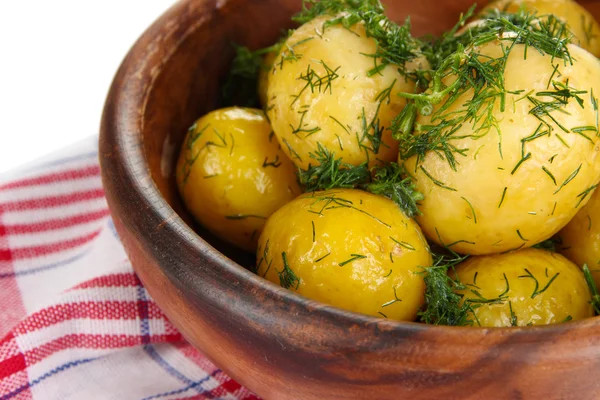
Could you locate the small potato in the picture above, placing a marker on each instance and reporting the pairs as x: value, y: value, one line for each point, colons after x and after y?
x: 232, y: 174
x: 580, y: 239
x: 319, y: 92
x: 581, y: 23
x: 521, y: 173
x: 347, y: 248
x: 526, y: 287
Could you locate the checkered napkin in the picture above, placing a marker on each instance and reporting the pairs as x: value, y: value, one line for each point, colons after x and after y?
x: 75, y: 321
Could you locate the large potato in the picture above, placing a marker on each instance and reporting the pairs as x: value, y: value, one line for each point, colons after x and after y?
x: 526, y: 287
x: 232, y: 174
x: 581, y: 23
x: 523, y: 177
x: 319, y: 92
x: 348, y: 248
x: 580, y: 239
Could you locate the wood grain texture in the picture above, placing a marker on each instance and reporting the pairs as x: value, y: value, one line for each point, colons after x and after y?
x: 276, y: 343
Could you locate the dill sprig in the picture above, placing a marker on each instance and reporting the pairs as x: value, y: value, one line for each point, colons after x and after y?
x: 287, y: 278
x: 392, y: 182
x: 443, y: 304
x: 478, y: 76
x: 312, y: 9
x: 549, y: 244
x: 240, y: 88
x: 331, y: 173
x: 395, y: 44
x: 593, y: 288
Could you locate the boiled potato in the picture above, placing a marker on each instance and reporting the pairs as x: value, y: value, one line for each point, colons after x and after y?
x: 232, y: 174
x: 526, y: 287
x: 580, y: 239
x: 582, y: 24
x: 520, y: 174
x: 347, y: 248
x: 319, y: 92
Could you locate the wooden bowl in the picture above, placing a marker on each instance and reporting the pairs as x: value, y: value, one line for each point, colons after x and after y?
x: 278, y: 344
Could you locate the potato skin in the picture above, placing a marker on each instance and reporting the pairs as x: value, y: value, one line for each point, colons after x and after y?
x: 580, y: 239
x: 232, y: 174
x: 362, y: 252
x: 567, y: 295
x: 496, y: 202
x: 582, y: 24
x: 319, y: 90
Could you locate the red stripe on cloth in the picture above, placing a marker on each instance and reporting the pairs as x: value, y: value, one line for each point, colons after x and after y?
x: 113, y: 280
x: 229, y: 386
x: 54, y: 224
x: 12, y: 365
x: 110, y: 310
x: 16, y: 387
x: 45, y: 249
x: 14, y: 379
x: 8, y: 347
x: 80, y: 173
x: 90, y: 341
x: 52, y: 201
x: 12, y: 309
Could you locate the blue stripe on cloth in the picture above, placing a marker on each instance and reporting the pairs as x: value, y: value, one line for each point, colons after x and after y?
x: 65, y: 160
x: 193, y: 385
x: 45, y: 267
x: 151, y: 350
x: 47, y: 375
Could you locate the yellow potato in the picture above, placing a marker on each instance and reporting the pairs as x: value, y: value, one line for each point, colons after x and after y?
x: 319, y: 92
x: 232, y: 174
x: 580, y: 239
x: 521, y: 179
x: 582, y: 24
x: 347, y: 248
x: 539, y: 287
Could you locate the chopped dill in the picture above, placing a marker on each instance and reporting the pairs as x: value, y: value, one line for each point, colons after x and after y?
x: 536, y: 290
x: 240, y: 87
x: 275, y: 163
x: 322, y: 258
x: 406, y: 245
x: 392, y: 182
x: 395, y: 44
x: 472, y: 210
x: 353, y: 257
x: 396, y: 300
x: 443, y: 305
x: 569, y: 178
x: 583, y: 195
x: 589, y: 279
x: 549, y: 245
x: 287, y: 278
x: 479, y: 77
x: 331, y: 173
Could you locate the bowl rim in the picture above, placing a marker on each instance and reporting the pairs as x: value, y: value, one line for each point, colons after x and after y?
x: 122, y: 154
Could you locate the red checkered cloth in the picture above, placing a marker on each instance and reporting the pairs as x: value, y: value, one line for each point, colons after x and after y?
x: 75, y: 321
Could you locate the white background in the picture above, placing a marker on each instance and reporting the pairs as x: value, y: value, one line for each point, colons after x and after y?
x: 57, y: 60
